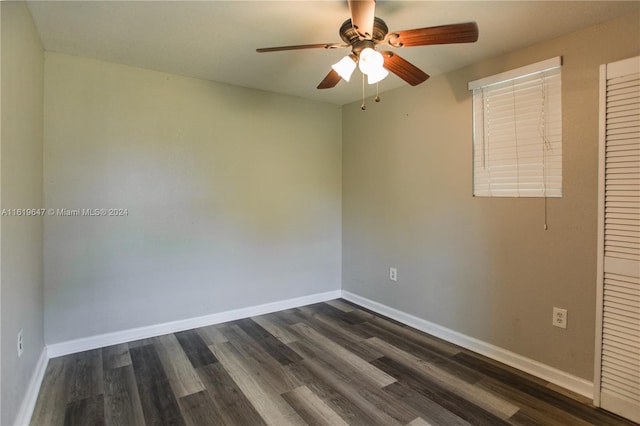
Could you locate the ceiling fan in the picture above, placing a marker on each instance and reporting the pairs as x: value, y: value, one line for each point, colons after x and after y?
x: 364, y: 31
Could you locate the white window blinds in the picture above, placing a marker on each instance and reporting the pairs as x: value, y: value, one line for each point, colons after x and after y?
x: 517, y: 140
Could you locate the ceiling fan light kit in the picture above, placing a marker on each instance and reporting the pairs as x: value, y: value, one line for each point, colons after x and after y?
x: 364, y: 31
x: 371, y: 65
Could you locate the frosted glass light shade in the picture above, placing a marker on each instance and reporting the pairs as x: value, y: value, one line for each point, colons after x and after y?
x: 377, y: 75
x: 370, y: 61
x: 344, y: 67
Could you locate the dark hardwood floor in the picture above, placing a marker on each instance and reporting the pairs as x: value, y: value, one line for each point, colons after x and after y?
x: 325, y: 364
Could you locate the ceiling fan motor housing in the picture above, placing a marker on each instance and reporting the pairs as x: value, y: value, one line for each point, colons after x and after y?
x: 350, y: 35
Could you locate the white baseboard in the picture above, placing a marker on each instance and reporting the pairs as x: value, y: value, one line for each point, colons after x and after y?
x: 108, y: 339
x: 33, y: 389
x: 538, y: 369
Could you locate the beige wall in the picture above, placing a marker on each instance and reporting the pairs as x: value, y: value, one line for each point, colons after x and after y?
x: 21, y: 187
x: 233, y: 197
x: 484, y: 267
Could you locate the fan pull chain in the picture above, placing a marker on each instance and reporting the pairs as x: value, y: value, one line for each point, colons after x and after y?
x: 377, y: 98
x: 363, y: 107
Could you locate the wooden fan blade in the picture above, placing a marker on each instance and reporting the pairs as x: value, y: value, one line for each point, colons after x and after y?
x: 330, y: 80
x: 403, y: 68
x: 362, y: 16
x: 444, y: 34
x: 300, y: 46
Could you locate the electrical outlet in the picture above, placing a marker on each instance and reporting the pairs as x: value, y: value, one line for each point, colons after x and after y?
x: 560, y: 317
x: 20, y: 343
x: 393, y: 274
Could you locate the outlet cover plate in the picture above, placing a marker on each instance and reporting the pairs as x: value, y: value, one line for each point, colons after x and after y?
x: 560, y: 317
x: 20, y: 343
x: 393, y: 274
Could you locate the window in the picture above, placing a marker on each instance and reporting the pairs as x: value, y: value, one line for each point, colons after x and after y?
x: 517, y: 135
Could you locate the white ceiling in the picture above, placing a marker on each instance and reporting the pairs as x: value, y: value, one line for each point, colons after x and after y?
x: 216, y: 40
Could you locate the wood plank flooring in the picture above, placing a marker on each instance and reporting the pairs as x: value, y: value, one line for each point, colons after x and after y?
x: 331, y: 363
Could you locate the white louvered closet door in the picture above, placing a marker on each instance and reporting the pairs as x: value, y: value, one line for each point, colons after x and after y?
x: 618, y: 363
